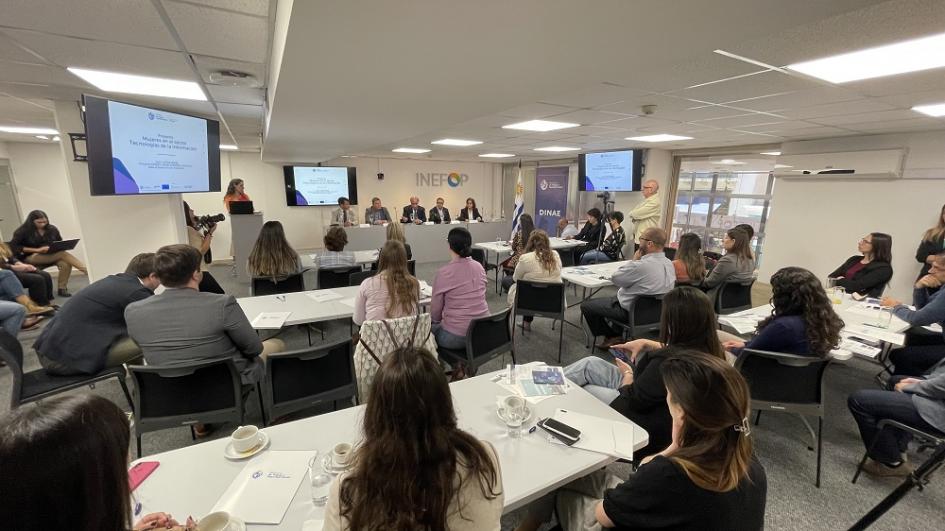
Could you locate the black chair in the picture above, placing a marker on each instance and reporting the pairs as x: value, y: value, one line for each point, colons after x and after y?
x: 192, y: 393
x: 929, y: 438
x: 670, y: 252
x: 303, y: 378
x: 567, y: 257
x: 712, y: 255
x: 732, y: 297
x: 355, y: 279
x: 644, y: 318
x: 37, y: 385
x: 787, y: 383
x: 487, y: 338
x: 335, y: 277
x: 411, y: 267
x: 480, y: 256
x: 270, y: 286
x: 540, y: 299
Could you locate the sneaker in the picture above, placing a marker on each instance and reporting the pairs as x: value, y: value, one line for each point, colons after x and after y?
x: 877, y: 469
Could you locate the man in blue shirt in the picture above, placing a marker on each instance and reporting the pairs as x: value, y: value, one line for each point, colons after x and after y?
x: 915, y: 359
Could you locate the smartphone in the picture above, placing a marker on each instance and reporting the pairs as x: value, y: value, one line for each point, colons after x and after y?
x: 561, y: 431
x: 140, y: 472
x: 620, y: 355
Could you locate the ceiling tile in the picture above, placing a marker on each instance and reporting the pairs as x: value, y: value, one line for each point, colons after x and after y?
x: 241, y: 111
x: 915, y: 98
x: 206, y: 65
x: 9, y: 51
x: 39, y: 74
x: 908, y: 124
x: 589, y: 117
x: 892, y: 85
x: 633, y: 105
x: 250, y: 7
x: 534, y: 111
x: 701, y: 113
x: 240, y: 37
x: 43, y: 91
x: 594, y: 96
x: 239, y: 95
x: 766, y: 83
x: 816, y: 132
x: 706, y: 68
x: 860, y: 106
x: 898, y: 114
x: 800, y: 98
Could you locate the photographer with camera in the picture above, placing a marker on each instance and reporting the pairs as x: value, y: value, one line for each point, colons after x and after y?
x: 200, y: 236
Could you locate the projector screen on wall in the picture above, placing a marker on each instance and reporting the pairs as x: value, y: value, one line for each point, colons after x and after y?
x: 136, y: 150
x: 610, y: 171
x: 319, y: 185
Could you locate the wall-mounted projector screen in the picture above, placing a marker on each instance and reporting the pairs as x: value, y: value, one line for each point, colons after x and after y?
x: 138, y: 150
x: 319, y: 185
x: 610, y: 171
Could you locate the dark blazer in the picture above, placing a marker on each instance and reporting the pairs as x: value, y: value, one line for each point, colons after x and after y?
x: 926, y: 249
x: 81, y: 333
x: 644, y: 402
x: 463, y: 215
x: 421, y: 213
x: 869, y: 281
x: 435, y: 216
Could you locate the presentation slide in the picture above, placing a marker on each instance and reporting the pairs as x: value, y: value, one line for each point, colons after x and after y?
x: 320, y: 186
x: 157, y: 151
x: 610, y: 171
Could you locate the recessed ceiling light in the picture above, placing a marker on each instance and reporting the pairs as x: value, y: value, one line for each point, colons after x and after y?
x: 935, y: 109
x: 349, y: 156
x: 908, y: 56
x: 497, y: 155
x: 658, y: 138
x: 42, y: 137
x: 55, y: 138
x: 728, y: 162
x: 410, y: 150
x: 778, y: 166
x: 772, y: 153
x: 558, y: 148
x: 456, y: 142
x: 28, y: 130
x: 540, y: 125
x: 228, y: 147
x: 143, y: 85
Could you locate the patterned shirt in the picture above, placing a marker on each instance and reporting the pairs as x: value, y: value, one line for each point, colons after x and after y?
x: 334, y: 260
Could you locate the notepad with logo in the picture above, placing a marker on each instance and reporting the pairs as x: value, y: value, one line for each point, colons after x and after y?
x: 262, y: 491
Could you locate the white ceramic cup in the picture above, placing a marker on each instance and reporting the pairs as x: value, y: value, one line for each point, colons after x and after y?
x: 218, y: 521
x: 341, y: 454
x: 245, y: 438
x: 514, y: 404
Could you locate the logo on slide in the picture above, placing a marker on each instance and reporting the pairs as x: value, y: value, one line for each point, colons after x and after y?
x: 454, y: 180
x: 150, y: 116
x: 543, y: 185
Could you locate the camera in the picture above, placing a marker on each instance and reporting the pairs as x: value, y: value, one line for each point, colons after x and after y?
x: 380, y: 176
x: 209, y: 221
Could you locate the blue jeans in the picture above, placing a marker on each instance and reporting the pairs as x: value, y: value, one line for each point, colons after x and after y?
x: 446, y: 339
x: 594, y: 256
x: 12, y: 315
x: 598, y: 377
x: 10, y: 287
x: 869, y: 406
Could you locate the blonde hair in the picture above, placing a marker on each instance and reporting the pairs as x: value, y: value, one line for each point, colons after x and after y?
x: 272, y: 256
x: 396, y: 232
x: 938, y: 231
x: 404, y: 288
x: 539, y: 244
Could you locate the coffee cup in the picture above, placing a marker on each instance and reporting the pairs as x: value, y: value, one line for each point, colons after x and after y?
x: 511, y: 404
x: 218, y: 521
x: 341, y: 454
x: 245, y: 438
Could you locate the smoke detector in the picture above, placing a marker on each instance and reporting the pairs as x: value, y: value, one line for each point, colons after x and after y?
x: 234, y: 78
x: 648, y: 109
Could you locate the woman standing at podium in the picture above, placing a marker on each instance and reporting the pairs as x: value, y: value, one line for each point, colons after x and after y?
x: 235, y: 191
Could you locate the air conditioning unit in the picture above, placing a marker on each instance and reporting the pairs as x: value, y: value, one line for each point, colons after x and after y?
x: 873, y: 164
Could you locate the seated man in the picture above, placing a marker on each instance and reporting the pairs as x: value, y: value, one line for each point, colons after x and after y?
x: 414, y: 213
x: 916, y: 359
x: 89, y: 334
x: 183, y: 325
x: 439, y: 213
x: 652, y: 274
x: 344, y: 215
x: 566, y: 229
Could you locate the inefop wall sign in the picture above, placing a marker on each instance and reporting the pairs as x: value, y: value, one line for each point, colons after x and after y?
x: 451, y: 179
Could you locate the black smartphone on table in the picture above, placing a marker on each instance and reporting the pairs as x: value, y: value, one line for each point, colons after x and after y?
x: 561, y: 431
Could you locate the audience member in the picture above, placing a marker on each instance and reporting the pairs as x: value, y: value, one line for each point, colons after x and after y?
x: 802, y: 321
x: 459, y: 293
x: 525, y: 227
x: 439, y: 214
x: 916, y: 359
x: 36, y: 281
x: 566, y: 229
x: 736, y: 266
x: 235, y: 191
x: 90, y: 334
x: 13, y: 319
x: 376, y: 214
x: 392, y: 292
x: 11, y: 290
x: 591, y: 232
x: 689, y: 263
x: 31, y: 242
x: 395, y: 232
x: 344, y: 215
x: 414, y: 213
x: 65, y: 466
x: 637, y: 391
x: 334, y: 256
x: 933, y: 243
x: 651, y: 274
x: 202, y: 241
x: 867, y: 273
x: 748, y: 229
x: 272, y: 256
x: 539, y: 263
x: 647, y: 214
x: 470, y: 213
x: 610, y: 249
x: 415, y: 469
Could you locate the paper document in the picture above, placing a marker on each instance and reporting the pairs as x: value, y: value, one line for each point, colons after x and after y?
x: 263, y: 490
x: 518, y: 380
x: 324, y: 295
x: 741, y: 325
x: 856, y: 347
x: 273, y: 320
x: 425, y: 289
x: 611, y: 437
x: 873, y: 332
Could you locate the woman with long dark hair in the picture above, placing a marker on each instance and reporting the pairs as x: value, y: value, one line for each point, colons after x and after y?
x: 415, y: 469
x: 31, y: 242
x: 272, y: 256
x: 202, y: 242
x: 392, y: 291
x: 867, y: 273
x: 540, y: 263
x: 235, y: 191
x: 525, y: 227
x: 459, y: 292
x: 736, y: 266
x: 689, y: 262
x: 64, y: 463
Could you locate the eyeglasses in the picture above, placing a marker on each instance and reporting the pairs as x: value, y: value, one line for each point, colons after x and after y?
x: 864, y: 240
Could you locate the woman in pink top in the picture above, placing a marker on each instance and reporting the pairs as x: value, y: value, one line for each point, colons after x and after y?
x: 392, y: 292
x: 459, y: 293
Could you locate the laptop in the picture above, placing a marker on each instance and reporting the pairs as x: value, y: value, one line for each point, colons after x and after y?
x: 63, y: 245
x: 241, y: 207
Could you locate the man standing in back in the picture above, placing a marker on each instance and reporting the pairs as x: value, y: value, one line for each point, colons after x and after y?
x: 647, y: 213
x: 89, y: 333
x: 414, y: 213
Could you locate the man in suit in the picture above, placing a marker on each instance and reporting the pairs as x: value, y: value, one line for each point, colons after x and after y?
x: 183, y: 325
x: 414, y: 213
x: 344, y: 215
x: 439, y: 214
x: 89, y: 334
x: 376, y: 214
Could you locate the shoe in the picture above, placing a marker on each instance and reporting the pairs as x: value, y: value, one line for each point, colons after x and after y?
x: 64, y: 293
x: 35, y: 309
x: 609, y: 342
x: 526, y: 326
x: 877, y: 469
x: 31, y: 323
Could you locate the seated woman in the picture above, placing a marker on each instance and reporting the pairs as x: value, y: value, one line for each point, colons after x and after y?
x: 31, y: 240
x: 202, y: 242
x: 867, y: 273
x: 539, y: 263
x: 395, y: 232
x: 707, y: 478
x: 392, y: 292
x: 613, y: 243
x: 272, y: 256
x: 590, y: 232
x: 90, y: 480
x: 736, y: 266
x: 334, y: 256
x: 36, y: 281
x: 415, y: 469
x: 689, y: 262
x: 525, y: 227
x: 802, y: 321
x: 459, y: 292
x: 470, y: 213
x: 687, y: 322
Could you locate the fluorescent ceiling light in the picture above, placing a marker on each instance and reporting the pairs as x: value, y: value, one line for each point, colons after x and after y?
x: 228, y: 147
x: 779, y: 166
x: 497, y: 155
x: 42, y: 137
x: 658, y: 138
x: 28, y: 130
x: 410, y: 150
x: 143, y: 85
x: 772, y: 153
x: 456, y: 142
x: 540, y: 125
x: 908, y: 56
x: 557, y: 148
x: 936, y: 109
x: 55, y: 138
x: 730, y: 162
x: 349, y: 156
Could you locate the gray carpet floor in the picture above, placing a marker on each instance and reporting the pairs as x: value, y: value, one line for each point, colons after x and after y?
x: 780, y: 440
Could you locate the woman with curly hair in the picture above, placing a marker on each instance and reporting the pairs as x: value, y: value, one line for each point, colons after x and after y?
x: 802, y: 321
x: 539, y: 263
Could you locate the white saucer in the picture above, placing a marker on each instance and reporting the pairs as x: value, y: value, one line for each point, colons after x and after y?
x: 528, y: 414
x: 236, y: 524
x: 233, y: 455
x: 329, y: 466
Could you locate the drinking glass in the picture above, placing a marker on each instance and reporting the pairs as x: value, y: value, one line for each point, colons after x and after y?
x: 884, y: 317
x: 836, y: 294
x: 513, y: 422
x: 319, y: 480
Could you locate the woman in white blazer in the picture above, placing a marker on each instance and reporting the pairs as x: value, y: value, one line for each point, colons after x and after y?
x: 540, y: 263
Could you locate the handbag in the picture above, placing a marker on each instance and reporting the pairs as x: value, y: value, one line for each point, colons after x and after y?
x: 378, y: 338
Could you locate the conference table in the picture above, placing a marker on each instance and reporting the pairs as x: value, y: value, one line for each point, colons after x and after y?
x: 502, y: 247
x: 190, y: 480
x: 427, y: 241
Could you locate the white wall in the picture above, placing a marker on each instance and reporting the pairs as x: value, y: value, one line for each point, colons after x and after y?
x: 816, y: 223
